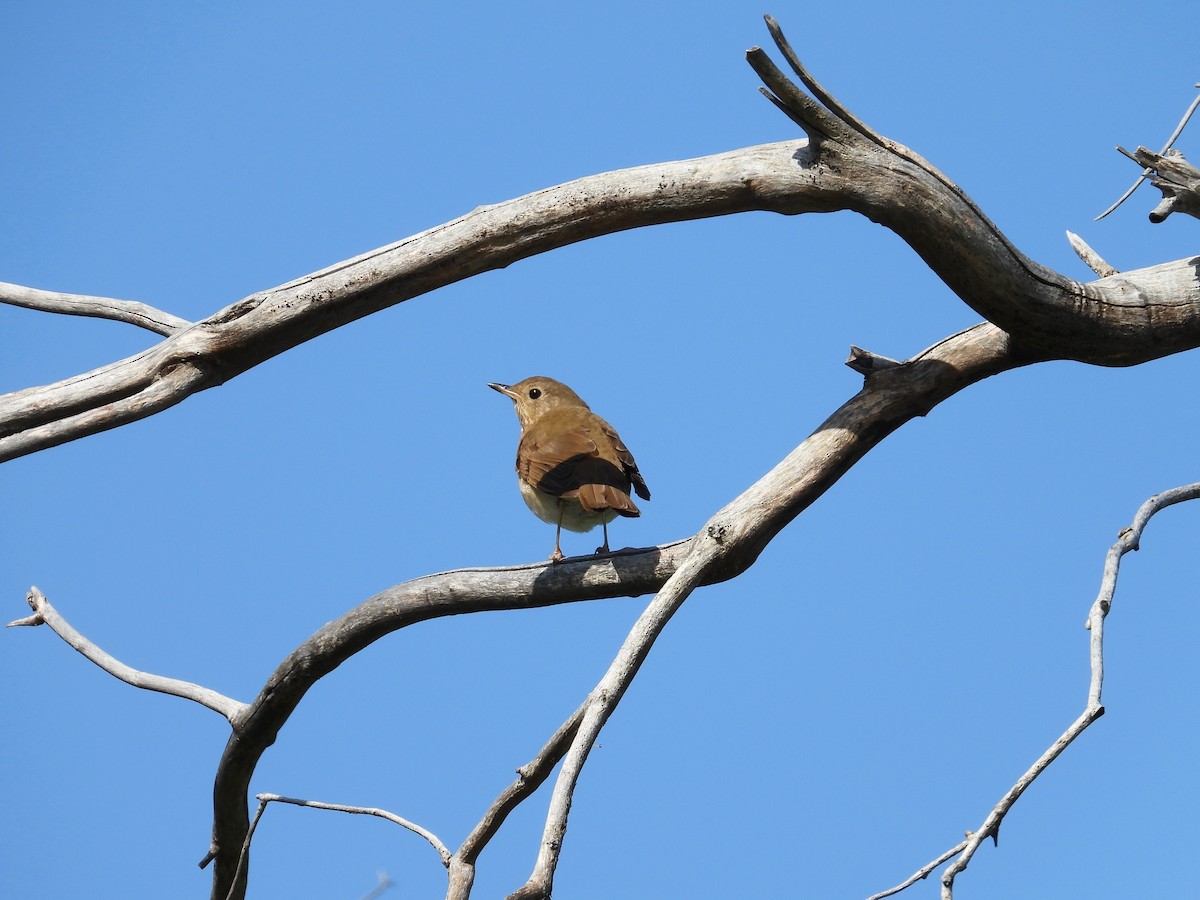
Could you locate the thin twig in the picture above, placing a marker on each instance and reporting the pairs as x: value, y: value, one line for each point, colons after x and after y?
x: 604, y: 699
x: 129, y: 311
x: 262, y: 805
x: 921, y: 873
x: 44, y: 613
x: 1129, y: 539
x: 1146, y: 173
x: 991, y: 824
x: 529, y: 778
x: 432, y: 838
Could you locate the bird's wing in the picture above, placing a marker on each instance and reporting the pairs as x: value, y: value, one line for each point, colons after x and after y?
x: 551, y: 462
x: 567, y: 462
x: 628, y: 463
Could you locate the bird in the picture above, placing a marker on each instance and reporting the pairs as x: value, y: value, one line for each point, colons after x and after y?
x: 572, y: 467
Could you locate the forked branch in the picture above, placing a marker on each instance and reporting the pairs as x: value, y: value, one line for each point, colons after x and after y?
x: 1121, y: 320
x: 1033, y: 314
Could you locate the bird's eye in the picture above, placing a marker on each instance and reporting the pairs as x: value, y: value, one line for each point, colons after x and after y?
x: 534, y: 393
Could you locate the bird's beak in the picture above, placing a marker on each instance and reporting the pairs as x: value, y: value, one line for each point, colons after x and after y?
x: 503, y: 389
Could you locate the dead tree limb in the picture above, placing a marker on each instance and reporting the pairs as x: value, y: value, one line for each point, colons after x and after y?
x: 129, y: 311
x: 1178, y: 180
x: 1124, y: 319
x: 1034, y: 314
x: 729, y: 544
x: 45, y: 614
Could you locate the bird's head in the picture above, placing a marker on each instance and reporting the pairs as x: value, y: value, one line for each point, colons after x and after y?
x: 537, y: 395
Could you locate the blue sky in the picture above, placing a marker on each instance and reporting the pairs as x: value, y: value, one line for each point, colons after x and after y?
x: 818, y: 728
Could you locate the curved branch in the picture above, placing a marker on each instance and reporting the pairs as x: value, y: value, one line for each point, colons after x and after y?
x: 268, y: 323
x: 1120, y: 320
x: 1117, y: 321
x: 129, y: 311
x: 1034, y: 314
x: 730, y: 542
x: 433, y: 596
x: 1129, y: 539
x: 921, y: 874
x: 433, y: 840
x: 45, y: 613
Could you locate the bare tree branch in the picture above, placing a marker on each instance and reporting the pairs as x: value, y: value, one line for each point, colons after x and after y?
x: 130, y: 311
x: 245, y: 852
x: 529, y: 778
x: 603, y: 700
x: 1034, y: 314
x: 429, y: 836
x: 1120, y: 320
x: 991, y: 824
x: 1129, y: 539
x: 1149, y: 170
x: 921, y: 874
x: 45, y: 613
x: 1178, y: 180
x: 735, y: 537
x: 628, y: 573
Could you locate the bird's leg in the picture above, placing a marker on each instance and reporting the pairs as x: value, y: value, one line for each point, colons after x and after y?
x: 604, y: 549
x: 557, y: 555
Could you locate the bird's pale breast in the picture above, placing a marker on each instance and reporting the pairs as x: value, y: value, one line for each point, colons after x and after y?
x: 574, y: 516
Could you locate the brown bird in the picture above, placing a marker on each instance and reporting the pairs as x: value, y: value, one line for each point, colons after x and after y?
x: 572, y: 468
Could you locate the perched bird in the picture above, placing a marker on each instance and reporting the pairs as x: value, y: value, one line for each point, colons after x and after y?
x: 572, y: 468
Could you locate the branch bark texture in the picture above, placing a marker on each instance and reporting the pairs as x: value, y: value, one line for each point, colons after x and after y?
x: 729, y: 544
x: 1124, y: 319
x: 1033, y: 314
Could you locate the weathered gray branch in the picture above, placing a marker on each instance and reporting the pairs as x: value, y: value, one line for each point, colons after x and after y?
x: 1178, y: 180
x: 1129, y: 539
x: 922, y: 873
x: 45, y: 614
x: 264, y: 799
x: 450, y: 593
x: 529, y: 778
x: 603, y: 700
x: 732, y: 540
x: 1124, y: 319
x: 129, y: 311
x: 1090, y: 257
x: 1034, y: 314
x: 1148, y: 170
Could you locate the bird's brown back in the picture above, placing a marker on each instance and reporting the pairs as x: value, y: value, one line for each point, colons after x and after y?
x: 571, y: 452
